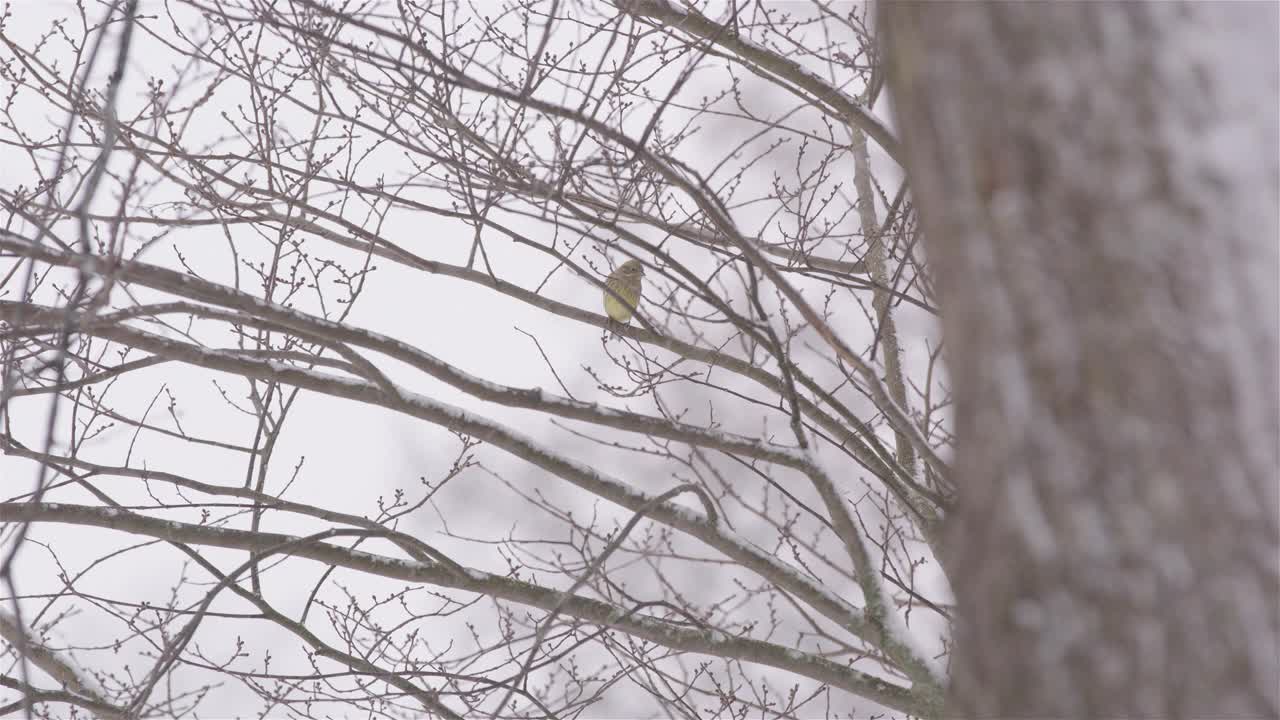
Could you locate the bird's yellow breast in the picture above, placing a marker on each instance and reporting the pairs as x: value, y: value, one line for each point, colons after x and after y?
x: 620, y: 312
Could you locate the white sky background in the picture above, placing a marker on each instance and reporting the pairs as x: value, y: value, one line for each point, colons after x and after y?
x: 356, y: 453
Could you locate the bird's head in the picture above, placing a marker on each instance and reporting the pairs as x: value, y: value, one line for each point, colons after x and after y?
x: 631, y: 268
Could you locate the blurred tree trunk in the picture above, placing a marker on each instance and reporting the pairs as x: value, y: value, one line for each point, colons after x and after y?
x: 1098, y: 185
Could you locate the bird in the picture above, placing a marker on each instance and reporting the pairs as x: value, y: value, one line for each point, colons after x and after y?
x: 626, y: 282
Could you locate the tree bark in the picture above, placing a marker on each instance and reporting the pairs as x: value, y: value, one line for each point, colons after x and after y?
x: 1098, y: 186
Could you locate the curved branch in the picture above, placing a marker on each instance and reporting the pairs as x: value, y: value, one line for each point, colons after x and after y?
x: 253, y: 311
x: 864, y: 445
x: 830, y: 99
x: 709, y: 641
x: 78, y: 691
x: 454, y: 418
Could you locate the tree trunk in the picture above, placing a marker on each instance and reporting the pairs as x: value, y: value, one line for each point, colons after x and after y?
x: 1098, y: 185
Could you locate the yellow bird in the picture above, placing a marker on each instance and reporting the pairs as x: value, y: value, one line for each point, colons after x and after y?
x: 626, y: 282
